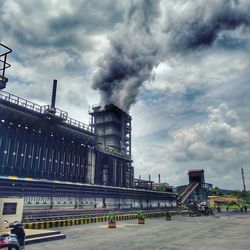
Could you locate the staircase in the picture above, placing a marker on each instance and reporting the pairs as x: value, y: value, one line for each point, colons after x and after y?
x: 38, y: 236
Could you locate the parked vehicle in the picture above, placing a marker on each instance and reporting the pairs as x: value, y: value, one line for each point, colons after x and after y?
x: 204, y: 209
x: 15, y: 240
x: 201, y: 208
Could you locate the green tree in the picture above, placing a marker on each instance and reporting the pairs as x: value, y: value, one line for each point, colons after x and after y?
x: 214, y: 191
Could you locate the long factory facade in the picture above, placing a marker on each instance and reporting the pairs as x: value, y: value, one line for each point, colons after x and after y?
x: 37, y: 144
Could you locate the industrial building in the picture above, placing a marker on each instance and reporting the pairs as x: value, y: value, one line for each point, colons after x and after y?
x: 64, y: 160
x: 113, y: 128
x: 37, y: 144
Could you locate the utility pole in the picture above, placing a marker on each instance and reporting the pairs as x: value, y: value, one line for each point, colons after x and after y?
x: 243, y: 179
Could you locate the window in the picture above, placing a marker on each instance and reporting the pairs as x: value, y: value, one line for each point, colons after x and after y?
x: 9, y: 208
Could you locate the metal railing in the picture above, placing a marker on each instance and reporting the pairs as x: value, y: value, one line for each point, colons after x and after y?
x: 78, y: 124
x: 115, y: 152
x: 55, y: 112
x: 20, y: 101
x: 43, y: 110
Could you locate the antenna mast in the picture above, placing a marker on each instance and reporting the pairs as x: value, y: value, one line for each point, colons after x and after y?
x: 243, y: 179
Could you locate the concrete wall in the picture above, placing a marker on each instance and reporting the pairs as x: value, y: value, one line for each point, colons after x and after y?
x: 10, y: 217
x: 93, y: 202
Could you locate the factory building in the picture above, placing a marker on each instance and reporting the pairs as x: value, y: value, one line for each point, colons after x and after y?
x: 45, y: 155
x: 38, y: 143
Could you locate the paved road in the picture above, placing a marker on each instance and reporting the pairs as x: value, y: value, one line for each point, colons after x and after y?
x: 229, y: 231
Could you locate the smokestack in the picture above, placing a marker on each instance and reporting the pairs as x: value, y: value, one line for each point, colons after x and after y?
x: 151, y: 185
x: 53, y: 97
x: 159, y: 176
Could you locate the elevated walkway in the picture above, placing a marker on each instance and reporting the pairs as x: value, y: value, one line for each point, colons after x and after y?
x: 187, y: 192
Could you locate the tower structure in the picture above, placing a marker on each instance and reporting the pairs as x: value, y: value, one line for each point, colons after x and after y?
x: 113, y: 128
x: 113, y: 125
x: 4, y: 51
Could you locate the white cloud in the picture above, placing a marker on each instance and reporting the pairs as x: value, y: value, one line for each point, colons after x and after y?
x: 202, y: 141
x: 218, y: 143
x: 199, y: 70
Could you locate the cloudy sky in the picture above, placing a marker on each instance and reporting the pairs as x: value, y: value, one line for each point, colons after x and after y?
x: 181, y: 68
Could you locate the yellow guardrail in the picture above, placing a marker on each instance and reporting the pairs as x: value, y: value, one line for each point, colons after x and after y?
x: 82, y: 221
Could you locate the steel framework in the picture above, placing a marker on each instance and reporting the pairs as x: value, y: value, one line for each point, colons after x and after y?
x: 3, y: 64
x: 38, y: 143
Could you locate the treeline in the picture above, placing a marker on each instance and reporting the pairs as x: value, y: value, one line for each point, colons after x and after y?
x: 244, y: 195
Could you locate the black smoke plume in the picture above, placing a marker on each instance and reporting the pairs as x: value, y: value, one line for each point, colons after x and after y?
x: 154, y: 30
x: 200, y: 23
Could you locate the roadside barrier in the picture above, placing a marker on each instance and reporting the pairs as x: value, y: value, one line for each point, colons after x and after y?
x: 87, y: 220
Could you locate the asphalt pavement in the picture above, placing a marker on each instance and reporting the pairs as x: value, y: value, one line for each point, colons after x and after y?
x: 222, y: 231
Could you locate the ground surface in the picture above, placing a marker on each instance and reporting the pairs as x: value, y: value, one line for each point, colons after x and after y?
x: 227, y: 231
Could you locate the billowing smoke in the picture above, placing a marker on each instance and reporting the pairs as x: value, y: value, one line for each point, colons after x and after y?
x: 131, y: 57
x: 154, y: 30
x: 199, y: 23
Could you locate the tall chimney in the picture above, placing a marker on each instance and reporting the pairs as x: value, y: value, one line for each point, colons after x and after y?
x: 159, y: 177
x: 53, y: 98
x: 150, y: 183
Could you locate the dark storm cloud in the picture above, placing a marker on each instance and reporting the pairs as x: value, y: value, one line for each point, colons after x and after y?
x: 189, y: 25
x: 59, y: 24
x: 55, y: 39
x: 90, y: 16
x: 202, y: 23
